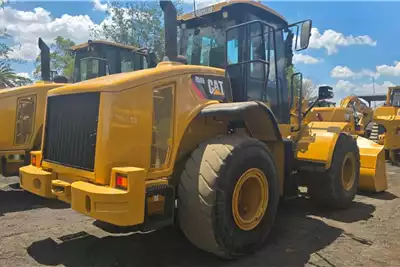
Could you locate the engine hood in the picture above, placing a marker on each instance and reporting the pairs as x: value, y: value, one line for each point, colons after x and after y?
x: 123, y: 81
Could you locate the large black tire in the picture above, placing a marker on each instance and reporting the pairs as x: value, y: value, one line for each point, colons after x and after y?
x: 205, y: 195
x: 327, y: 189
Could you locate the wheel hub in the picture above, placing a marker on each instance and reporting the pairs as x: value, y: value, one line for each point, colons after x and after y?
x: 250, y: 199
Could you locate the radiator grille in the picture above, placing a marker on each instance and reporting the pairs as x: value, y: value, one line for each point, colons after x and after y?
x: 71, y: 130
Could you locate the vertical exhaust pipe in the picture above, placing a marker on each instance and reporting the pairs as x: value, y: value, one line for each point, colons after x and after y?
x: 171, y: 31
x: 44, y: 60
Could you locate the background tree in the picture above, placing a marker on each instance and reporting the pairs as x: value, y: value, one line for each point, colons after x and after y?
x: 135, y: 23
x: 8, y: 77
x: 61, y: 60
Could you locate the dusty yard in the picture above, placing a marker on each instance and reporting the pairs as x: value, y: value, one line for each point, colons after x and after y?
x: 37, y: 232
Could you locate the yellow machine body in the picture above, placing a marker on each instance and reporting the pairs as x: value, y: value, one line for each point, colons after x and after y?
x: 389, y: 116
x: 143, y: 126
x: 21, y: 117
x: 373, y: 175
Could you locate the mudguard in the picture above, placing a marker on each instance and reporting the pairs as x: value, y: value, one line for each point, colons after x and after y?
x: 316, y: 145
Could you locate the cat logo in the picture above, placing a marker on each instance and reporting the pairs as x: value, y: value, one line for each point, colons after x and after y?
x: 216, y: 87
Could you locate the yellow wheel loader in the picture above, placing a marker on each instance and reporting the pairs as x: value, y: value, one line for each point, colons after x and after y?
x: 204, y: 140
x: 22, y: 108
x: 386, y: 128
x: 22, y: 115
x: 358, y: 117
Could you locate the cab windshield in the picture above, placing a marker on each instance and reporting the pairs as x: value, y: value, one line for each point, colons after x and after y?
x: 396, y: 98
x: 104, y: 60
x: 205, y: 45
x: 92, y: 68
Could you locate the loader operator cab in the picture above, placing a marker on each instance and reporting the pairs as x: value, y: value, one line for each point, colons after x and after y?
x: 100, y: 58
x: 252, y: 42
x: 395, y: 97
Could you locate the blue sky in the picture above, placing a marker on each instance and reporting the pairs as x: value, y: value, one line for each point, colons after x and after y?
x: 351, y: 43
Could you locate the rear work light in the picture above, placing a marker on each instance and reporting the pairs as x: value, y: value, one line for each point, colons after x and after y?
x: 121, y: 181
x: 33, y: 160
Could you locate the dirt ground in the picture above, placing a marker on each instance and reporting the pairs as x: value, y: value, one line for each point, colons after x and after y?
x: 37, y: 232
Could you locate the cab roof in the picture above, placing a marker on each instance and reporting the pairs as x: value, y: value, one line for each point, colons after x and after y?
x: 219, y: 6
x: 103, y: 42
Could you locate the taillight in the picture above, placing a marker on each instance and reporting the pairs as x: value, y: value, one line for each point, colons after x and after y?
x: 33, y: 160
x: 121, y: 181
x: 319, y: 117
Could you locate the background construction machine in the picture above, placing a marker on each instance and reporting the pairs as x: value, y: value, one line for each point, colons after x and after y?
x: 207, y: 133
x: 358, y: 117
x: 22, y: 115
x: 22, y: 108
x: 386, y: 127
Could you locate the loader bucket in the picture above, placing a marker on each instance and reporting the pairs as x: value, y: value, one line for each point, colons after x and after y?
x: 373, y: 168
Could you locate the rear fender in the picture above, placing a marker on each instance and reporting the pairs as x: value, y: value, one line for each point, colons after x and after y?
x: 316, y: 145
x: 252, y: 118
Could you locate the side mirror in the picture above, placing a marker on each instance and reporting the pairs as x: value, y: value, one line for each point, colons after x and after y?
x: 302, y: 30
x: 305, y: 34
x: 152, y: 60
x: 325, y: 92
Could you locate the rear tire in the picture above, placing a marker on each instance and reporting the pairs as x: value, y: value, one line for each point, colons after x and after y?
x: 336, y: 188
x: 206, y: 195
x: 394, y: 156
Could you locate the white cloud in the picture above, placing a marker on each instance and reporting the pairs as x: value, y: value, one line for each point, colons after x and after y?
x: 343, y: 85
x: 99, y: 6
x: 347, y: 87
x: 346, y: 72
x: 331, y: 40
x: 306, y: 59
x: 386, y: 70
x: 23, y: 74
x: 26, y: 27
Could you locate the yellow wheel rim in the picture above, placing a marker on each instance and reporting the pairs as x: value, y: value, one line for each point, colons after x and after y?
x: 250, y: 199
x: 348, y: 171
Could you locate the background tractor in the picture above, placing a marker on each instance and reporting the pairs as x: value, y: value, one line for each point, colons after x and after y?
x: 22, y: 108
x: 205, y: 138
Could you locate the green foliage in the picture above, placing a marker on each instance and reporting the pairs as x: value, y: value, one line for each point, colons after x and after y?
x: 61, y: 60
x: 9, y: 78
x: 138, y: 24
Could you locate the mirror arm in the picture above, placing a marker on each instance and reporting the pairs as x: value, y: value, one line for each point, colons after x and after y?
x: 311, y: 107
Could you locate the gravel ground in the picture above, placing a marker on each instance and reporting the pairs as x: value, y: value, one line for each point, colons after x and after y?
x: 37, y: 232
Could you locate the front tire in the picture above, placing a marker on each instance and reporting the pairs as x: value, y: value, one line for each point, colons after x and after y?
x: 228, y: 196
x: 336, y: 188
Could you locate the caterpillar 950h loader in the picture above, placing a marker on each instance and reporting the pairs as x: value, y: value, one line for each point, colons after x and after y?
x: 205, y: 134
x: 22, y: 108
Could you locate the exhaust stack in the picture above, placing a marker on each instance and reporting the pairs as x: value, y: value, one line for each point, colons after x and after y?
x: 44, y: 60
x: 171, y: 32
